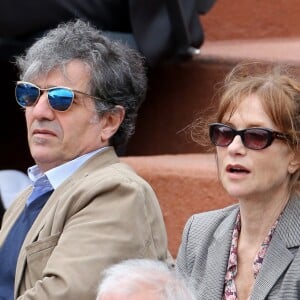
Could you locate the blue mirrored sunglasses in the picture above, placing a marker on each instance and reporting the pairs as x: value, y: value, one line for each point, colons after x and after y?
x: 59, y: 98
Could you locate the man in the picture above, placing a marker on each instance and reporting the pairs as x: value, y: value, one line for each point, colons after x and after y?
x: 142, y: 279
x: 81, y: 93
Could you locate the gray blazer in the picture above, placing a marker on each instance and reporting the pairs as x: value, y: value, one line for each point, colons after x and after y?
x: 205, y: 247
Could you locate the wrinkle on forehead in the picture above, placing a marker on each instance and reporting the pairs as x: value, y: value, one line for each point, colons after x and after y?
x: 34, y: 72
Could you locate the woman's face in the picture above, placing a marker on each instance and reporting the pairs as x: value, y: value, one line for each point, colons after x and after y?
x: 254, y: 174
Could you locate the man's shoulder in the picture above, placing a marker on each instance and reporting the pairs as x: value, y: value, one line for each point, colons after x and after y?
x: 106, y: 169
x: 113, y: 170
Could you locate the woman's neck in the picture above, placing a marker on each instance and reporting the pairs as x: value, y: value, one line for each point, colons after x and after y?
x: 257, y: 217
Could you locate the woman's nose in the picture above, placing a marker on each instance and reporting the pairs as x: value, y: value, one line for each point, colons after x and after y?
x: 236, y: 145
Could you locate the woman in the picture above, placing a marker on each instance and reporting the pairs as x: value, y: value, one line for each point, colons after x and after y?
x: 250, y: 250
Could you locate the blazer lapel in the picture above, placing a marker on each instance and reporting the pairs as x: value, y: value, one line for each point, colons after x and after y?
x: 218, y: 254
x: 277, y: 259
x: 31, y: 236
x: 108, y: 157
x: 278, y: 256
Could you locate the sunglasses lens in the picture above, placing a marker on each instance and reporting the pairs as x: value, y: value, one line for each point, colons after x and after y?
x: 221, y: 135
x: 256, y: 138
x: 26, y: 94
x: 60, y: 98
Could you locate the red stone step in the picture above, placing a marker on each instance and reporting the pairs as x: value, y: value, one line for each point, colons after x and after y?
x: 185, y: 184
x: 179, y: 92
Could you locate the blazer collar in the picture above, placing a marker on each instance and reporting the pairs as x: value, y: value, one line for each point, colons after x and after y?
x: 98, y: 161
x: 288, y: 227
x: 218, y: 254
x: 278, y: 257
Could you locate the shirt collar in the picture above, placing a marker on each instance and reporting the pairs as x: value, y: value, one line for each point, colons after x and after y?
x: 58, y: 174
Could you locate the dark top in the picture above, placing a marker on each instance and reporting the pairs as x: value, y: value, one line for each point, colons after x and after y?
x: 149, y: 21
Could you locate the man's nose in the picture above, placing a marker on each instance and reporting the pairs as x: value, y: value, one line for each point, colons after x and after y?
x: 42, y: 109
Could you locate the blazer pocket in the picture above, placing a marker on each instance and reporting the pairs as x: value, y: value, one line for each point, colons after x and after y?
x: 38, y: 254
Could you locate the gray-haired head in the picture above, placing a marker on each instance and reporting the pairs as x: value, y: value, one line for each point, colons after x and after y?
x: 150, y: 277
x: 117, y: 71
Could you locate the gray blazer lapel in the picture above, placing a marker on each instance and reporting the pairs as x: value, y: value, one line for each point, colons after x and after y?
x: 276, y: 261
x: 278, y: 256
x: 218, y: 254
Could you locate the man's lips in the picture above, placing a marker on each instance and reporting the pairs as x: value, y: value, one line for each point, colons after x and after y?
x: 43, y: 132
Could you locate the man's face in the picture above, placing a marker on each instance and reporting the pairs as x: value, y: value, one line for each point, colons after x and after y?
x: 56, y: 137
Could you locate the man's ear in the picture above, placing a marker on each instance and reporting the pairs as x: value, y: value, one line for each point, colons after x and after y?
x: 111, y: 121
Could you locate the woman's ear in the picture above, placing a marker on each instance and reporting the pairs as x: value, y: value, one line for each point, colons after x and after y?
x: 294, y: 164
x: 111, y: 121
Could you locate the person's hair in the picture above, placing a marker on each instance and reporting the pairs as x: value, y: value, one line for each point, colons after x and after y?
x: 135, y: 275
x: 117, y: 72
x: 279, y: 91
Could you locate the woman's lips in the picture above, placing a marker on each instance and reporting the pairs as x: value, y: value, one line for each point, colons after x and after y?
x: 237, y: 169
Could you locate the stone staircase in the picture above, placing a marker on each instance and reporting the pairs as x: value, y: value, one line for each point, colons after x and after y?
x: 182, y: 174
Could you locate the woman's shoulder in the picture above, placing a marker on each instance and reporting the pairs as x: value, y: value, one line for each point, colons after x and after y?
x: 215, y: 215
x: 201, y: 231
x: 209, y: 221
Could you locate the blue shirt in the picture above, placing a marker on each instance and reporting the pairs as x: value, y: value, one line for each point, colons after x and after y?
x: 56, y: 176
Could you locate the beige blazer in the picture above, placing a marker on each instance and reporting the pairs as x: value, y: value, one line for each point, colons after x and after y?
x: 100, y: 215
